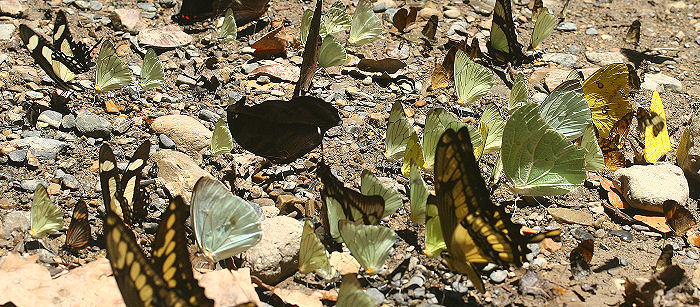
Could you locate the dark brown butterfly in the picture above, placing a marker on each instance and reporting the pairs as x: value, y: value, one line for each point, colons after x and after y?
x: 580, y: 259
x: 389, y: 66
x: 678, y: 217
x: 121, y: 193
x: 612, y: 146
x: 309, y: 62
x: 633, y: 33
x: 356, y: 206
x: 665, y: 259
x: 79, y: 230
x: 281, y: 131
x: 430, y: 28
x: 403, y: 18
x: 165, y: 281
x: 244, y: 11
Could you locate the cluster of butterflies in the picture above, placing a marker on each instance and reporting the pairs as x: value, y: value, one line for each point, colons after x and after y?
x: 63, y: 60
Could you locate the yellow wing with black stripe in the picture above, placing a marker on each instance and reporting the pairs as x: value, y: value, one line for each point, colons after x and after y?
x: 121, y: 192
x: 355, y: 205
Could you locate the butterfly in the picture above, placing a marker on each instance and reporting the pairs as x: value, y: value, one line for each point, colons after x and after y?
x: 418, y: 195
x: 79, y: 230
x: 607, y: 95
x: 371, y: 185
x: 121, y: 192
x: 341, y: 203
x: 665, y: 259
x: 528, y: 141
x: 678, y: 217
x: 224, y: 224
x: 656, y: 140
x: 504, y: 42
x: 632, y: 36
x: 491, y: 119
x: 580, y: 259
x: 593, y: 154
x: 335, y: 21
x: 518, y: 93
x: 369, y: 244
x: 111, y: 72
x: 268, y: 130
x: 313, y: 256
x: 152, y: 71
x: 436, y: 122
x: 403, y: 18
x: 566, y: 111
x: 192, y: 11
x: 543, y: 27
x: 611, y: 146
x: 413, y: 155
x: 46, y: 217
x: 74, y: 54
x: 309, y: 56
x: 398, y: 130
x: 331, y: 53
x: 229, y: 29
x: 221, y: 139
x: 366, y: 26
x: 167, y: 279
x: 352, y: 295
x: 475, y: 230
x: 471, y: 79
x: 430, y: 28
x: 46, y: 56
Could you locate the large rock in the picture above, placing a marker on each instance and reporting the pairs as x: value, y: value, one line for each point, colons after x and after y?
x: 188, y: 133
x: 42, y: 148
x: 689, y: 150
x: 16, y: 221
x: 647, y: 187
x: 605, y: 58
x: 277, y: 255
x: 178, y: 172
x: 92, y: 125
x: 127, y: 20
x: 660, y: 83
x: 11, y: 7
x: 6, y: 31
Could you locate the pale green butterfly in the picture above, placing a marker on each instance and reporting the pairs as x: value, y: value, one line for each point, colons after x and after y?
x: 370, y: 185
x: 369, y: 244
x: 575, y: 75
x: 224, y: 225
x: 496, y: 171
x: 418, y: 195
x: 518, y: 93
x: 336, y: 20
x: 413, y: 155
x: 436, y: 122
x: 335, y: 214
x: 305, y: 25
x: 594, y: 156
x: 111, y: 72
x: 397, y: 133
x: 538, y: 160
x: 221, y: 139
x: 331, y: 53
x: 495, y: 123
x: 434, y: 240
x: 152, y: 71
x: 543, y: 27
x: 471, y: 79
x: 46, y: 217
x: 366, y: 26
x: 229, y: 29
x: 352, y: 295
x: 566, y: 110
x: 313, y: 256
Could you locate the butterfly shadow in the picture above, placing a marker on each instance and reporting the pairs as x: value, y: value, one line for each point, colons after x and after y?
x: 409, y: 237
x: 608, y: 265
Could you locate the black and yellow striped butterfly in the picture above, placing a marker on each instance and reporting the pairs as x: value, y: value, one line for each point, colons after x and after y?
x: 167, y: 279
x: 63, y: 59
x: 79, y: 230
x: 503, y: 44
x: 474, y: 228
x: 356, y: 206
x: 121, y: 193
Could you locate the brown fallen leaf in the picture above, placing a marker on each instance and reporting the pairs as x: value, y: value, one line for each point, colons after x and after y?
x: 344, y: 263
x: 170, y: 36
x: 273, y: 43
x: 285, y: 72
x: 299, y: 298
x: 656, y: 222
x: 613, y: 194
x: 229, y: 288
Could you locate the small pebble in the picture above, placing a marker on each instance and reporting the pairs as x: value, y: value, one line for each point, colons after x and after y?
x: 498, y: 276
x: 592, y: 31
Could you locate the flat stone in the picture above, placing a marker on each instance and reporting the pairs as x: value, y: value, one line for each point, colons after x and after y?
x: 170, y: 36
x: 564, y: 59
x: 12, y: 8
x: 51, y: 117
x: 16, y: 221
x: 125, y: 19
x: 6, y: 31
x: 566, y: 27
x: 454, y: 14
x: 571, y: 216
x: 605, y: 58
x: 647, y: 187
x: 121, y: 125
x: 92, y: 125
x: 187, y: 132
x: 275, y: 257
x: 68, y: 122
x: 689, y: 161
x: 178, y: 172
x: 42, y: 148
x: 592, y: 31
x: 660, y: 83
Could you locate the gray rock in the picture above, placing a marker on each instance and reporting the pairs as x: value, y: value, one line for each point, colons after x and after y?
x: 566, y: 27
x: 17, y: 156
x: 605, y: 58
x: 68, y: 122
x: 52, y: 118
x: 182, y: 79
x: 660, y: 83
x: 582, y: 234
x: 69, y: 181
x: 42, y: 148
x: 31, y: 133
x: 418, y: 292
x: 16, y: 221
x: 622, y: 234
x: 208, y: 115
x: 692, y: 255
x: 416, y: 281
x: 263, y: 80
x: 6, y: 31
x: 29, y: 185
x: 574, y: 49
x: 689, y: 159
x: 688, y: 261
x: 82, y: 4
x: 376, y: 295
x: 166, y: 142
x: 592, y: 31
x: 249, y: 67
x: 379, y: 7
x: 34, y: 95
x: 275, y: 257
x: 564, y: 59
x: 647, y: 187
x: 454, y: 13
x: 121, y: 125
x: 95, y: 5
x: 187, y: 132
x: 147, y: 6
x: 498, y: 276
x: 92, y: 125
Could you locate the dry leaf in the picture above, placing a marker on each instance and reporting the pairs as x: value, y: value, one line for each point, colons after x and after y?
x: 344, y: 263
x: 387, y: 65
x: 274, y: 43
x: 656, y: 222
x: 229, y: 288
x: 280, y: 71
x: 299, y: 298
x: 613, y: 195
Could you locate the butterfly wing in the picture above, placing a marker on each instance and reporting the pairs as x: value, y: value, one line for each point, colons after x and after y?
x: 312, y: 44
x: 656, y: 140
x: 331, y: 53
x: 352, y: 295
x: 471, y: 79
x: 356, y: 207
x: 192, y: 11
x: 130, y: 186
x: 565, y: 109
x: 334, y: 21
x: 365, y: 26
x: 369, y: 244
x: 503, y: 38
x: 152, y: 70
x: 221, y: 139
x: 111, y: 73
x: 224, y: 224
x: 312, y: 254
x: 436, y: 122
x: 607, y: 95
x: 370, y: 185
x: 397, y: 133
x: 229, y: 29
x: 79, y: 230
x: 543, y: 27
x: 74, y: 54
x: 42, y: 53
x: 46, y: 217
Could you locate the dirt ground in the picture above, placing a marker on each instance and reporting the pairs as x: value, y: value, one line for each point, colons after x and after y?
x: 670, y: 29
